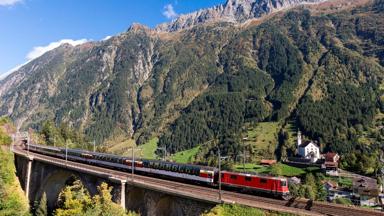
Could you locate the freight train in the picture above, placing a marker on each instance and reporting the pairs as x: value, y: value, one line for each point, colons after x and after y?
x: 195, y: 174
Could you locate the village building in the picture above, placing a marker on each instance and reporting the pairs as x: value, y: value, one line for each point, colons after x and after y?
x: 366, y: 190
x: 331, y: 163
x: 308, y: 150
x: 294, y: 180
x: 333, y: 191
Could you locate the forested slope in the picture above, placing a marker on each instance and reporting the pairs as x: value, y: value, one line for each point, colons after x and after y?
x: 318, y: 66
x: 323, y: 71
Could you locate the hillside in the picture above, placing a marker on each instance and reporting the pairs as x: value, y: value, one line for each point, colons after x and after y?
x: 317, y: 65
x: 12, y: 198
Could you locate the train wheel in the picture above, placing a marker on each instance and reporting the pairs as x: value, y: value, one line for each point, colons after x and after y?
x: 286, y: 197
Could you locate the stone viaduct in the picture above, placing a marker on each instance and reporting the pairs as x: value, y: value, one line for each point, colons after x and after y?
x: 39, y: 176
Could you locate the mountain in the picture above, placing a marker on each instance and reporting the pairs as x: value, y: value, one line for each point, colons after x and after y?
x: 319, y: 65
x: 234, y: 11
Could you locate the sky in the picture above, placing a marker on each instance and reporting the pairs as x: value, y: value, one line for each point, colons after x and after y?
x: 28, y: 28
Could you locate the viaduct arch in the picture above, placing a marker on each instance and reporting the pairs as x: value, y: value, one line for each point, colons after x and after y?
x: 37, y: 177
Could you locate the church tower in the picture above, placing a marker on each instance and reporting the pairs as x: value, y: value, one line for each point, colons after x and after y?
x: 298, y: 138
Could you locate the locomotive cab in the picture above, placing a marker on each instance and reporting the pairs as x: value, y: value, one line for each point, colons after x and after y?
x: 284, y: 189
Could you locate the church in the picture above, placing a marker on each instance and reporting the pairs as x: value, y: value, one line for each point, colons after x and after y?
x: 308, y: 150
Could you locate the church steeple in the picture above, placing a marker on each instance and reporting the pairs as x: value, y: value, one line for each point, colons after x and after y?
x: 298, y: 138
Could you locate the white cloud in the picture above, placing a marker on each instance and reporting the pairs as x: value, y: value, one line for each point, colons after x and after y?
x: 3, y: 75
x: 40, y: 50
x: 106, y: 38
x: 8, y: 2
x: 169, y: 12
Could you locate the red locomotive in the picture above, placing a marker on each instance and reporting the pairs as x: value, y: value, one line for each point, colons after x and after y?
x: 249, y: 182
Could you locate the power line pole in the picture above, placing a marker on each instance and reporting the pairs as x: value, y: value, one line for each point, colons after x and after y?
x: 28, y: 143
x: 220, y: 158
x: 94, y: 146
x: 244, y: 154
x: 218, y: 152
x: 133, y: 161
x: 66, y: 152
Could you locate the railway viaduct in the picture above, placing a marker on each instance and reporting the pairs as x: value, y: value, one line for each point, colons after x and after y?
x: 149, y: 196
x: 40, y: 175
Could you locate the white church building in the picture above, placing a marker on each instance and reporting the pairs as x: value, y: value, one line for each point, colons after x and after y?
x: 308, y: 150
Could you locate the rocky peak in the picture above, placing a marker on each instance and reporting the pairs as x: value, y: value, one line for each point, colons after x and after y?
x: 235, y: 11
x: 135, y: 27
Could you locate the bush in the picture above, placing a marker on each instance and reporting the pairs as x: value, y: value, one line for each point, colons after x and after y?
x: 12, y: 199
x: 75, y: 201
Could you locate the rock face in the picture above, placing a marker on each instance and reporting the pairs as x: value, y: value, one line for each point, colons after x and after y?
x: 234, y: 11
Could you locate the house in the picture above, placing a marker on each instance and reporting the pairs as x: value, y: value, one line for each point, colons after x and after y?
x: 366, y: 190
x: 328, y: 185
x: 332, y: 157
x: 336, y: 193
x: 294, y: 180
x: 308, y: 150
x: 331, y: 163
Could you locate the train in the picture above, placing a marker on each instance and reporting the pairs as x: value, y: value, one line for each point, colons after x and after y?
x: 188, y: 173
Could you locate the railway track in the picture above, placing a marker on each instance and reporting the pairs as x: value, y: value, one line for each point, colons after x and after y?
x: 298, y: 206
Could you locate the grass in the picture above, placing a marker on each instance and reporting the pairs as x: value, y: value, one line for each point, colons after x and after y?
x: 123, y: 148
x: 187, y: 156
x: 342, y: 201
x: 149, y: 148
x: 285, y: 169
x: 291, y: 171
x: 345, y: 182
x: 263, y: 138
x: 233, y: 210
x: 239, y: 210
x: 291, y: 128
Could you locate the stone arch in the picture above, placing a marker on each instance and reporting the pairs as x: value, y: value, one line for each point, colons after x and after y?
x: 55, y: 182
x: 163, y: 206
x: 135, y: 199
x: 166, y: 206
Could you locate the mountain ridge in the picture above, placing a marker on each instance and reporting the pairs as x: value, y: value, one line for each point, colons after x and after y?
x: 234, y: 11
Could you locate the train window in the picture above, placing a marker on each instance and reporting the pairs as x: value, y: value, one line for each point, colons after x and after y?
x: 247, y: 178
x: 233, y: 177
x: 263, y: 181
x: 283, y: 183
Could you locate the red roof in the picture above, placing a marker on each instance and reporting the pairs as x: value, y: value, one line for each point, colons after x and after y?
x: 330, y: 156
x: 269, y: 162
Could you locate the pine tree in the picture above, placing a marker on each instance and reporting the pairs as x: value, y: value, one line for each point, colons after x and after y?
x: 41, y: 209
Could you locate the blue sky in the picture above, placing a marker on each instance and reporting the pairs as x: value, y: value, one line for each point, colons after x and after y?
x: 28, y: 27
